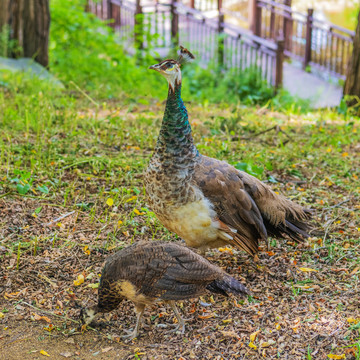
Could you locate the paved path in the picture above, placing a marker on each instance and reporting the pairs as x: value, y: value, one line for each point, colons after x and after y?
x: 309, y: 86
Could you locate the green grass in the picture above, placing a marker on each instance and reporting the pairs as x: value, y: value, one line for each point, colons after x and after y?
x: 60, y: 148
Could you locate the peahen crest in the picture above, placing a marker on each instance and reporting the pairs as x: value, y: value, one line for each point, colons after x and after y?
x: 185, y: 55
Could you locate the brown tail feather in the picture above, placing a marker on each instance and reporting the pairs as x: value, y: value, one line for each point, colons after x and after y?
x: 251, y: 247
x: 228, y: 284
x: 249, y: 243
x: 296, y: 229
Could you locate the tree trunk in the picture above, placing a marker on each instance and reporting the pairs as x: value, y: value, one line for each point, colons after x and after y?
x: 36, y: 30
x: 4, y: 13
x: 352, y: 83
x: 4, y: 26
x: 29, y: 22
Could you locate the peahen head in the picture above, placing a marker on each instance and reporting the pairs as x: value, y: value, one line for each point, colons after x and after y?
x: 87, y: 315
x: 170, y: 68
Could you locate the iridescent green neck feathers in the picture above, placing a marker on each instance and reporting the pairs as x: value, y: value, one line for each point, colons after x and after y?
x: 175, y: 133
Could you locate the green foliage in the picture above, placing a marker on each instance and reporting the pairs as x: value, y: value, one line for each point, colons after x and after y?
x: 33, y: 102
x: 349, y: 105
x: 250, y: 168
x: 86, y: 51
x: 23, y: 181
x: 7, y: 45
x: 284, y: 101
x: 4, y: 35
x: 214, y: 85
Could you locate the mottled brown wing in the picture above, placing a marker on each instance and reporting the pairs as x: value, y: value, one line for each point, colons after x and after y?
x: 235, y: 208
x: 187, y: 273
x: 159, y: 269
x: 140, y: 264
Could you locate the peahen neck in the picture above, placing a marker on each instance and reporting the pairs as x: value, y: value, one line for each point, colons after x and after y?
x: 175, y: 134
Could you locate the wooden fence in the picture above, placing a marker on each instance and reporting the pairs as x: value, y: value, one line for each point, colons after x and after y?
x: 319, y: 44
x: 315, y: 43
x: 165, y: 25
x: 230, y: 46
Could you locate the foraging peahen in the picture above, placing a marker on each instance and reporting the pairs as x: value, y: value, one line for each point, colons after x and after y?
x: 146, y: 272
x: 205, y: 201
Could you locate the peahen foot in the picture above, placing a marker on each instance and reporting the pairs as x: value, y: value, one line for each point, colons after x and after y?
x: 130, y: 334
x: 178, y: 327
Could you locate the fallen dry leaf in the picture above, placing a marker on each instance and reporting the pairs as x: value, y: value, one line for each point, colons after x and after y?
x: 333, y: 356
x: 66, y: 354
x: 206, y: 316
x: 252, y: 345
x: 94, y: 286
x: 230, y: 333
x: 305, y: 269
x: 254, y: 335
x: 109, y: 202
x: 38, y: 318
x: 352, y: 320
x: 80, y: 280
x: 49, y: 328
x: 104, y: 350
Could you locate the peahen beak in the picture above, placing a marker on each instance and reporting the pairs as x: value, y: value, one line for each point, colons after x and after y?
x: 154, y: 67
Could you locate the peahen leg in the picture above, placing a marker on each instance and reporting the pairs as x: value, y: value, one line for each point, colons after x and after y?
x: 181, y: 323
x: 139, y: 309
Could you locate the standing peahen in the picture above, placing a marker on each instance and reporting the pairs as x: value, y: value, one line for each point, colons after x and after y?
x: 208, y: 202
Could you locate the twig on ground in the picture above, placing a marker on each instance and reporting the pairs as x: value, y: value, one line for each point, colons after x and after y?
x: 53, y: 222
x: 85, y: 94
x: 6, y: 194
x: 327, y: 228
x: 275, y: 127
x: 50, y: 313
x: 337, y: 205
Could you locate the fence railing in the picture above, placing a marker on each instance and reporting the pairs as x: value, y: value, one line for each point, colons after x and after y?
x: 230, y: 46
x: 314, y: 42
x: 168, y: 24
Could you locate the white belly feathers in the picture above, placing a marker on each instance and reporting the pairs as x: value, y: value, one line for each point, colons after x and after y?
x: 194, y: 222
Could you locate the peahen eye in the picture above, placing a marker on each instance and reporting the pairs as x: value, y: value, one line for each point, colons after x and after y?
x: 170, y: 66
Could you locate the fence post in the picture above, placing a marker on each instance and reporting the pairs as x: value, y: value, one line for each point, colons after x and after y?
x: 221, y: 39
x: 192, y: 4
x: 288, y: 26
x: 255, y: 17
x: 174, y: 24
x: 138, y: 30
x: 279, y: 63
x: 109, y: 15
x: 309, y: 21
x: 272, y: 22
